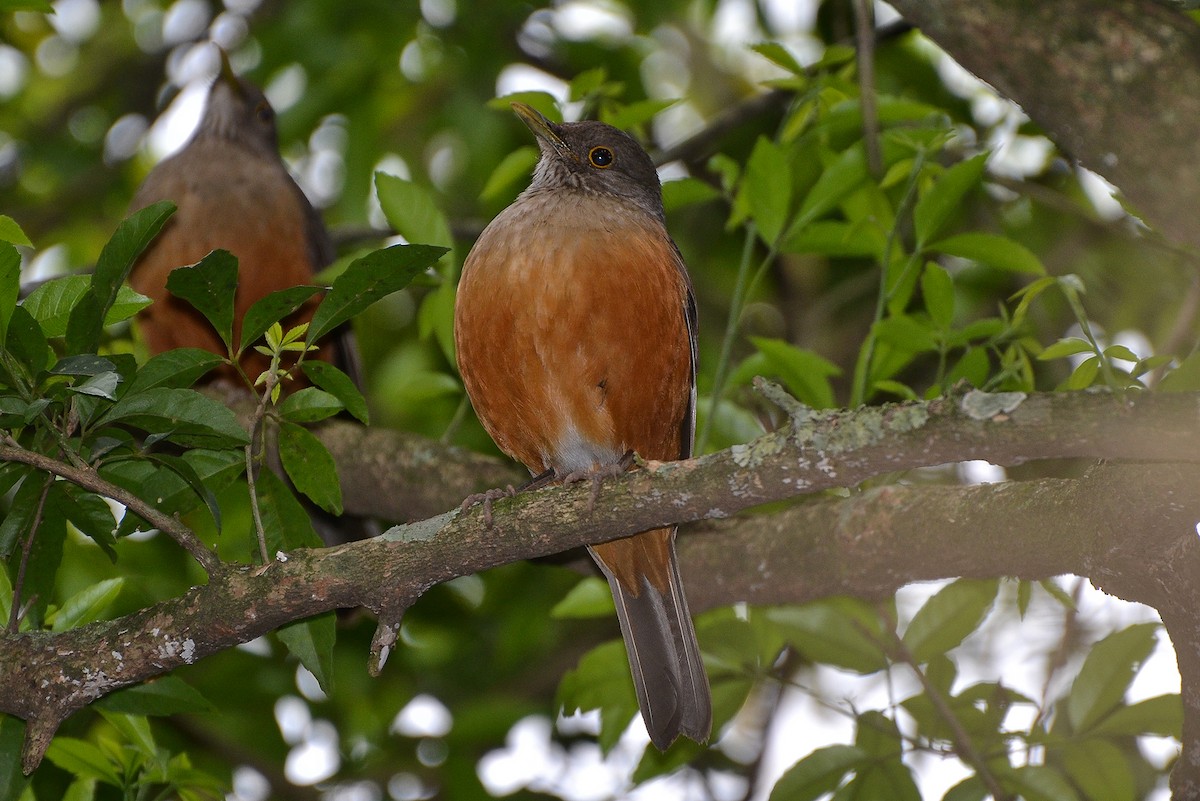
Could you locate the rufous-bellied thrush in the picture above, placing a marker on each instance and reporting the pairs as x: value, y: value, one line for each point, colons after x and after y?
x: 575, y: 327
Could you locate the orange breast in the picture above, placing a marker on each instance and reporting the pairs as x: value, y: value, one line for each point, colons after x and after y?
x: 572, y: 335
x: 249, y: 208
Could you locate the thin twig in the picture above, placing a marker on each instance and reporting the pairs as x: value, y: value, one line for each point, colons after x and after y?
x: 1183, y: 329
x: 963, y: 746
x: 864, y: 30
x: 258, y: 435
x: 1062, y: 652
x: 736, y: 305
x: 86, y: 477
x: 862, y: 369
x: 14, y: 615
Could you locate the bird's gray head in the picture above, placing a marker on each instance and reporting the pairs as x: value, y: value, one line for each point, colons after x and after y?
x: 237, y: 110
x: 592, y: 157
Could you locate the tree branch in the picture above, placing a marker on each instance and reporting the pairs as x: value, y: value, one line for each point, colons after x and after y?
x: 90, y: 480
x: 1117, y: 525
x: 1115, y: 92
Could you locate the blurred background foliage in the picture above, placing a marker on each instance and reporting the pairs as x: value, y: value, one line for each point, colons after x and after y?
x: 753, y: 110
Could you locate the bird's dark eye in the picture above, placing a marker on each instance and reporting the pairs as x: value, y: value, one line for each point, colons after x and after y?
x: 600, y: 157
x: 264, y: 112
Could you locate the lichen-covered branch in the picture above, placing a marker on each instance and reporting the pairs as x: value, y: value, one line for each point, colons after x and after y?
x: 397, y: 476
x: 868, y: 544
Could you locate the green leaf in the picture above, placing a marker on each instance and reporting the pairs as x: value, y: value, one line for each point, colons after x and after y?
x: 1068, y: 346
x: 10, y: 283
x: 1039, y: 783
x: 287, y: 523
x: 895, y: 388
x: 1100, y: 687
x: 16, y: 522
x: 767, y: 188
x: 544, y: 102
x: 838, y: 631
x: 271, y: 309
x: 411, y: 210
x: 210, y: 285
x: 590, y: 598
x: 804, y: 373
x: 905, y: 333
x: 974, y: 367
x: 310, y: 467
x: 1120, y: 352
x: 944, y: 198
x: 1184, y: 378
x: 165, y: 695
x: 192, y: 418
x: 43, y: 6
x: 183, y: 468
x: 602, y: 681
x: 41, y: 571
x: 51, y: 303
x: 80, y: 790
x: 87, y: 605
x: 92, y: 515
x: 366, y: 280
x: 436, y: 317
x: 81, y: 758
x: 99, y: 386
x: 13, y: 411
x: 26, y: 342
x: 779, y: 55
x: 309, y: 405
x: 631, y: 115
x: 12, y: 738
x: 84, y: 364
x: 818, y: 773
x: 993, y: 250
x: 1084, y: 374
x: 835, y: 238
x: 177, y: 369
x: 883, y: 775
x: 1098, y: 768
x: 341, y: 386
x: 1052, y: 588
x: 937, y: 288
x: 6, y: 594
x: 136, y: 731
x: 9, y: 230
x: 740, y: 647
x: 516, y: 165
x: 168, y: 491
x: 311, y: 641
x: 840, y: 177
x: 949, y: 616
x: 687, y: 192
x: 1161, y: 715
x: 587, y: 83
x: 112, y: 268
x: 971, y: 788
x: 1028, y: 294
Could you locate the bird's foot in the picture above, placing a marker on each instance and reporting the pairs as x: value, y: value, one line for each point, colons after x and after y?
x: 487, y: 498
x: 597, y: 474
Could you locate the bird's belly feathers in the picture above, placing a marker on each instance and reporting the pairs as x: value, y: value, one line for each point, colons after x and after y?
x: 573, y: 343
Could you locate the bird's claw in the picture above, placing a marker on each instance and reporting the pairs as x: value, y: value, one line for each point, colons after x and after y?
x: 486, y: 498
x: 597, y: 474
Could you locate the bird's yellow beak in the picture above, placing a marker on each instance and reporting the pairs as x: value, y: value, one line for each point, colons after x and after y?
x: 545, y: 130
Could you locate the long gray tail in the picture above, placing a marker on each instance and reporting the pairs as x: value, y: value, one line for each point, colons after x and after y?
x: 668, y: 674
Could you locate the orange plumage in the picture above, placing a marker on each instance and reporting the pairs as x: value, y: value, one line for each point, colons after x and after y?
x: 233, y: 192
x: 575, y: 332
